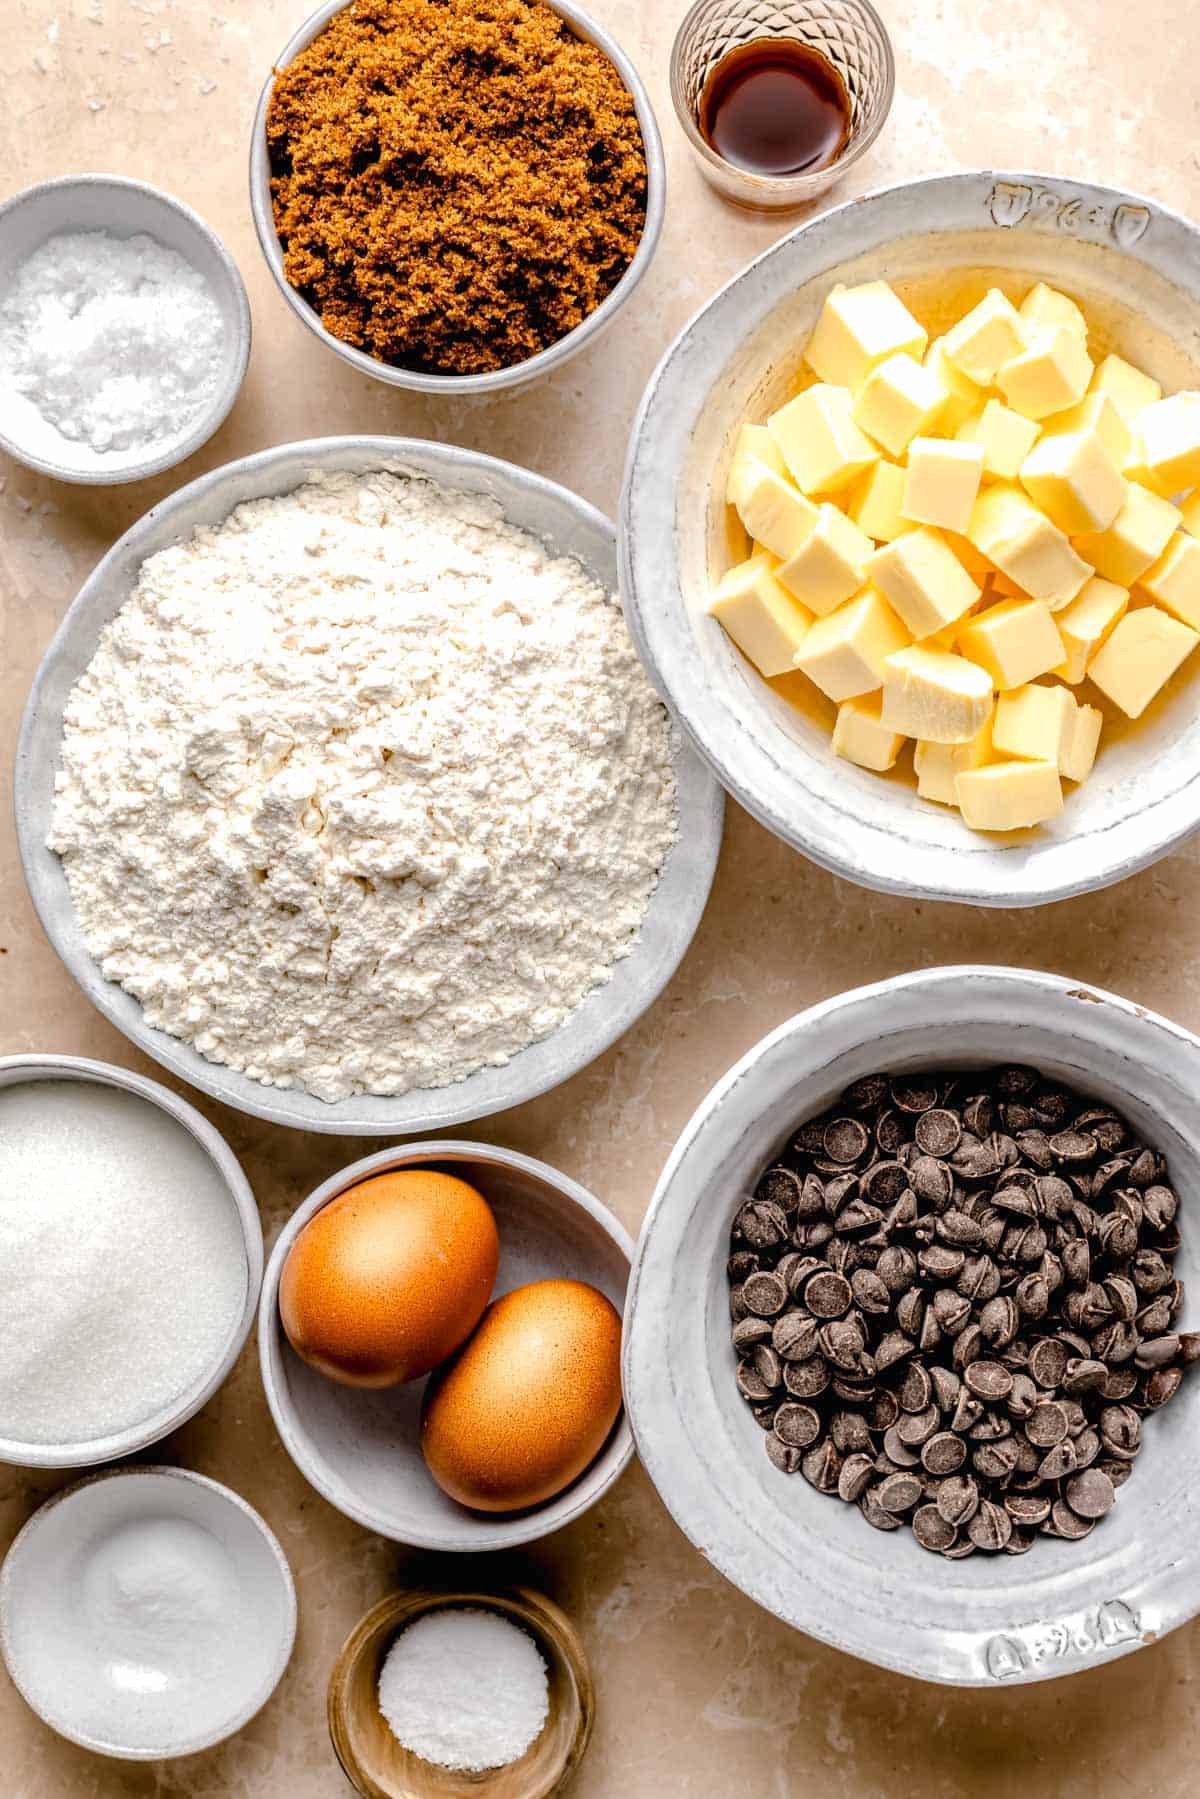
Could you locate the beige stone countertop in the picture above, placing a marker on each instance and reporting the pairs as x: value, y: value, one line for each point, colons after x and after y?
x: 699, y: 1693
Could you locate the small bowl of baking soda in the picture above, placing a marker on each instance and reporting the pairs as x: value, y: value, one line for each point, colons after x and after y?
x: 124, y: 330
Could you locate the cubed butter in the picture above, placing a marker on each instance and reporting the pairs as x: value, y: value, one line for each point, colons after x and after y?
x: 1086, y: 622
x: 844, y: 653
x: 860, y: 736
x: 973, y: 560
x: 1051, y: 374
x: 1014, y: 640
x: 875, y: 504
x: 1075, y: 481
x: 989, y: 335
x: 831, y: 563
x: 937, y: 765
x: 1014, y: 534
x: 897, y: 400
x: 1134, y: 468
x: 963, y: 395
x: 1137, y: 536
x: 1189, y: 514
x: 1141, y: 655
x: 934, y: 695
x: 822, y: 446
x: 1009, y: 796
x: 765, y: 622
x: 860, y: 327
x: 1168, y: 436
x: 941, y: 482
x: 1128, y: 389
x: 1003, y: 435
x: 1097, y: 413
x: 1085, y: 741
x: 1174, y: 580
x: 924, y: 580
x: 1036, y: 724
x: 1044, y: 306
x: 755, y: 447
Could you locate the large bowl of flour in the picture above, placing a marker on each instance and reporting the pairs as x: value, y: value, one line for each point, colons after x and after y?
x: 341, y: 792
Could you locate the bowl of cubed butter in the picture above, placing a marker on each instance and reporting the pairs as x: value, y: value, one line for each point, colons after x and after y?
x: 911, y: 537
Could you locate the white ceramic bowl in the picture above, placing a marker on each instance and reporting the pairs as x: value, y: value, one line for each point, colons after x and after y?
x: 123, y: 208
x: 1137, y: 265
x: 136, y: 1690
x: 813, y: 1560
x: 361, y: 1450
x: 15, y: 1070
x: 571, y: 527
x: 519, y: 373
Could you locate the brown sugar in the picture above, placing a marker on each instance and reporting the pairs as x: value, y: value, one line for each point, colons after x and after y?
x: 456, y: 183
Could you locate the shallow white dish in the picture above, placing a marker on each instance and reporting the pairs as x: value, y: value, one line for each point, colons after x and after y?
x: 1137, y: 266
x: 361, y: 1450
x: 123, y: 208
x: 125, y: 1692
x: 17, y: 1069
x: 571, y: 527
x: 812, y: 1560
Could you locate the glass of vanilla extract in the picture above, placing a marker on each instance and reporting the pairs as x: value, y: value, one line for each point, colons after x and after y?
x: 776, y: 111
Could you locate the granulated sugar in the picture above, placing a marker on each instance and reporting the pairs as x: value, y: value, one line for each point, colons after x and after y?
x: 464, y: 1688
x: 122, y: 1265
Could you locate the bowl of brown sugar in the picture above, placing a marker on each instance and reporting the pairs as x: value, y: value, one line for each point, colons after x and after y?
x: 455, y: 195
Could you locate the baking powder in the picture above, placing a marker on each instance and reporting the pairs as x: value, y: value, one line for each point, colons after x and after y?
x: 464, y: 1688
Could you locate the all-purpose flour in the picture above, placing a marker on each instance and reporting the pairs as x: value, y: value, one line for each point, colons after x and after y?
x: 363, y: 790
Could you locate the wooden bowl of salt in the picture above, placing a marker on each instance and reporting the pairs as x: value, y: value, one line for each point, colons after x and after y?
x: 379, y: 1766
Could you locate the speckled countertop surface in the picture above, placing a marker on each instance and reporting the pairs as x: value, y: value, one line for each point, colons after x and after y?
x: 699, y: 1693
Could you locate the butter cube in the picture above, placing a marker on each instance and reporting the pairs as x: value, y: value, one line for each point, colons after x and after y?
x: 1097, y: 413
x: 942, y: 482
x: 774, y: 513
x: 1010, y: 530
x: 860, y: 327
x: 766, y: 623
x: 755, y: 447
x: 1128, y: 389
x: 898, y: 399
x: 860, y: 735
x: 1045, y: 306
x: 875, y: 506
x: 1137, y: 536
x: 1189, y: 514
x: 964, y: 396
x: 1086, y: 622
x: 822, y: 446
x: 844, y: 653
x: 1174, y: 580
x: 937, y: 765
x: 924, y: 580
x: 1078, y: 762
x: 1003, y: 435
x: 1009, y: 796
x: 1051, y: 374
x: 1140, y: 657
x: 934, y: 695
x: 988, y: 336
x: 1168, y: 434
x: 831, y: 563
x: 1014, y: 640
x: 1134, y: 468
x: 1075, y: 481
x: 1036, y: 724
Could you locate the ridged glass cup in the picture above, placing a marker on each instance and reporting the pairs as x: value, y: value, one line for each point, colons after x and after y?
x: 848, y: 33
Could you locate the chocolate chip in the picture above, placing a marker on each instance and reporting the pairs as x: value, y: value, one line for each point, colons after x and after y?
x: 764, y: 1294
x: 797, y: 1425
x: 828, y: 1295
x: 988, y: 1380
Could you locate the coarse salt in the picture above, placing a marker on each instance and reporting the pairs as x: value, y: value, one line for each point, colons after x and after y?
x: 464, y: 1688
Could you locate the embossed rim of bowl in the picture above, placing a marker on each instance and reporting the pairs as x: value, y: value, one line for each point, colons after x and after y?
x: 128, y: 466
x: 15, y: 1071
x: 25, y: 1541
x: 853, y: 824
x: 479, y: 1532
x: 546, y: 361
x: 814, y: 1562
x: 571, y: 527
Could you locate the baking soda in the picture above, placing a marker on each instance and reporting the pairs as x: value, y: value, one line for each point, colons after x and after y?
x: 464, y: 1688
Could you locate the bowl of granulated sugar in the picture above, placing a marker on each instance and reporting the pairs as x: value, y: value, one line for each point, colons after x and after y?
x: 124, y: 329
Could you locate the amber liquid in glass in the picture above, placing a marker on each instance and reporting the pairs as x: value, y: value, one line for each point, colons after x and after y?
x: 775, y: 106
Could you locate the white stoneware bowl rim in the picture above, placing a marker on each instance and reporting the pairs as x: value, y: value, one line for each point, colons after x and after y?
x: 571, y: 527
x: 810, y: 1560
x: 15, y: 1071
x: 26, y: 1539
x: 546, y: 361
x: 872, y: 844
x: 128, y: 467
x: 479, y: 1533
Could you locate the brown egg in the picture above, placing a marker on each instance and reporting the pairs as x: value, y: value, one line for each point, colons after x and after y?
x: 390, y: 1278
x: 527, y: 1404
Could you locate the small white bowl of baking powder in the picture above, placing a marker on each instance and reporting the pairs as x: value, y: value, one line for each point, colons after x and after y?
x: 124, y: 329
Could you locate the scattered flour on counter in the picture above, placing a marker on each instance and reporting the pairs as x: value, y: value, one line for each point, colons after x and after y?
x: 363, y: 789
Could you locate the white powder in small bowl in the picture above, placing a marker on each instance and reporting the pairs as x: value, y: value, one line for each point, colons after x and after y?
x: 464, y: 1688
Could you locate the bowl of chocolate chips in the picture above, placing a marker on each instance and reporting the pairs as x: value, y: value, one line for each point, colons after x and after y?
x: 909, y: 1340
